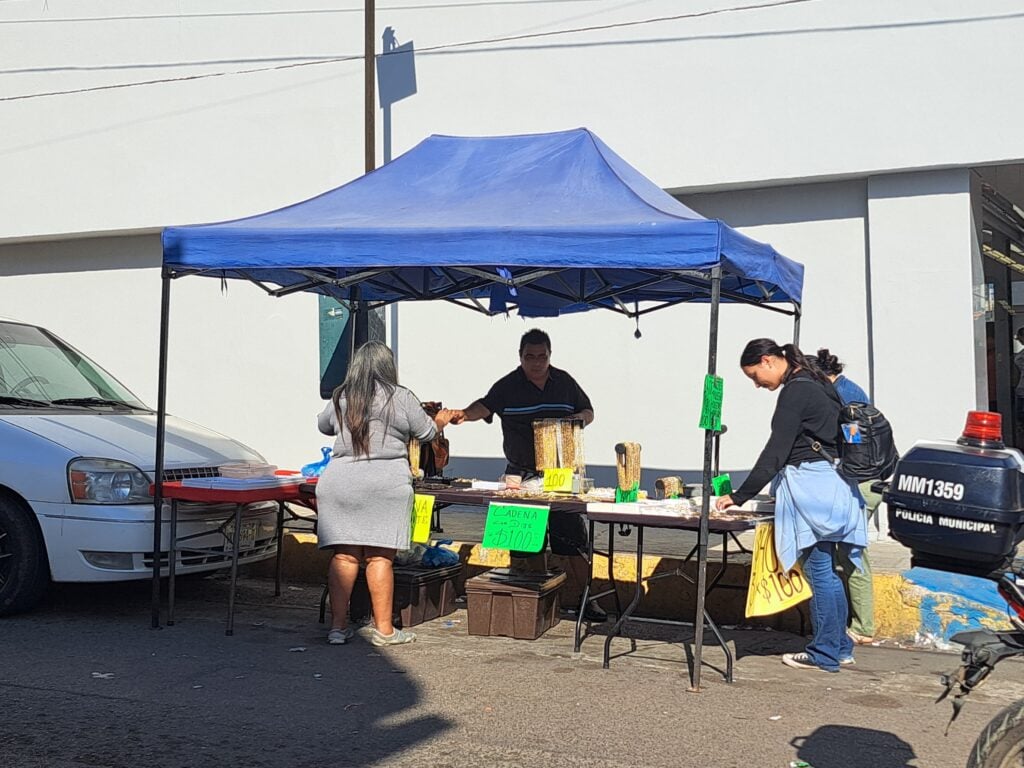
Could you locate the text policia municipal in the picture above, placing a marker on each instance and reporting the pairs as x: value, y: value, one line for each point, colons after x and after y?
x: 975, y: 526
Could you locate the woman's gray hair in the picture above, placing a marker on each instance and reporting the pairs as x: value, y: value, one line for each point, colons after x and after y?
x: 371, y: 369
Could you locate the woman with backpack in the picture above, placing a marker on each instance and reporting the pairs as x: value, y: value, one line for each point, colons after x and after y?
x: 859, y: 584
x: 816, y: 510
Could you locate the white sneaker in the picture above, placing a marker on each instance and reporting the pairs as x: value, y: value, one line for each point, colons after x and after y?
x: 340, y: 636
x: 398, y: 637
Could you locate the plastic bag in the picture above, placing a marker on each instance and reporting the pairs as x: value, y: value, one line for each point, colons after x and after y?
x: 533, y: 484
x: 314, y: 469
x: 436, y: 556
x: 412, y: 556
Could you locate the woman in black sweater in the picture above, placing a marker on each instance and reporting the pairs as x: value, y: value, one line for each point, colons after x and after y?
x: 815, y: 509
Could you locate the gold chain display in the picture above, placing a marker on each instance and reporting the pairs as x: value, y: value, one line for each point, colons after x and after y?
x: 414, y: 457
x: 558, y: 443
x: 669, y: 487
x: 627, y: 465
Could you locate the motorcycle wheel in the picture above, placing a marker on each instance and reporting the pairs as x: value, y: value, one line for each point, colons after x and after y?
x: 1001, y: 743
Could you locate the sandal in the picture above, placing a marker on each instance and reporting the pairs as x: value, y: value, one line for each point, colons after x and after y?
x: 860, y: 639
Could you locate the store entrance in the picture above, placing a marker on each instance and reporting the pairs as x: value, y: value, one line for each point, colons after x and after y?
x: 1003, y: 305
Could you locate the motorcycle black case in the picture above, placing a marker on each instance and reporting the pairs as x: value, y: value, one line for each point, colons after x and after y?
x: 958, y: 508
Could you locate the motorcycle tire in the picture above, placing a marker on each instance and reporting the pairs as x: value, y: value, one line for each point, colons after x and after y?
x: 1001, y: 743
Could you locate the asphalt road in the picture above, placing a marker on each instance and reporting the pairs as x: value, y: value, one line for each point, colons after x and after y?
x: 84, y: 681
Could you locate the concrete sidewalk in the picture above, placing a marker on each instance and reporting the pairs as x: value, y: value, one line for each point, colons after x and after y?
x: 913, y: 606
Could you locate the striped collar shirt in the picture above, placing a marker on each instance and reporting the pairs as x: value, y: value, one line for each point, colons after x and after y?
x: 518, y: 402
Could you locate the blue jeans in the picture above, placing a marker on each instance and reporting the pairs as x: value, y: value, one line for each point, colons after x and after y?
x: 828, y: 607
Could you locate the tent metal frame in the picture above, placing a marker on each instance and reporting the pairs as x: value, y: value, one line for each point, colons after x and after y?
x: 466, y: 285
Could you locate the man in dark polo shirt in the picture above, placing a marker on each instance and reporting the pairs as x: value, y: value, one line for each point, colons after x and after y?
x: 538, y: 390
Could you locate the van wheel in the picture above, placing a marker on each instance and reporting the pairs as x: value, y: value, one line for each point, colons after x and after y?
x: 24, y: 572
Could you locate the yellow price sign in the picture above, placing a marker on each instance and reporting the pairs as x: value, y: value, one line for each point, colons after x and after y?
x: 772, y: 591
x: 422, y: 515
x: 558, y: 480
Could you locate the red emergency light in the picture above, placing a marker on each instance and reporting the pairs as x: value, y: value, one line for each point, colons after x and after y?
x: 983, y: 429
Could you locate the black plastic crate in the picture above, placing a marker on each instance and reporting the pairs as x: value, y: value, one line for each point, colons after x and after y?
x: 421, y: 594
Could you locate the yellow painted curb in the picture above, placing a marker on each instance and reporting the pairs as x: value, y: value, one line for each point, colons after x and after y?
x: 897, y: 601
x: 897, y: 608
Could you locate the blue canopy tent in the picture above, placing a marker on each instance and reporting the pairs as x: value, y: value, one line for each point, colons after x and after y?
x: 541, y: 224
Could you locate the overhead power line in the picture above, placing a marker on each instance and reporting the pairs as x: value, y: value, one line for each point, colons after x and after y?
x: 442, y: 47
x: 180, y: 79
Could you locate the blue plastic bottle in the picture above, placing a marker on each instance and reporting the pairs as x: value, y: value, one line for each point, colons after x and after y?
x: 315, y: 468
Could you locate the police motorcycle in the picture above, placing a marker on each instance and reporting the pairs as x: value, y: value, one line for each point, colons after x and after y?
x: 959, y: 507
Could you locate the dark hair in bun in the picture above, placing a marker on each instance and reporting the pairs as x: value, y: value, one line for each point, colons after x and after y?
x: 758, y: 348
x: 829, y: 363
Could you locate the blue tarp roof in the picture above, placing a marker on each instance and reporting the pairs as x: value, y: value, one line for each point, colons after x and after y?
x: 549, y: 223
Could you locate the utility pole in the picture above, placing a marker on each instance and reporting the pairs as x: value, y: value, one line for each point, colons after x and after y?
x: 369, y: 72
x: 359, y: 315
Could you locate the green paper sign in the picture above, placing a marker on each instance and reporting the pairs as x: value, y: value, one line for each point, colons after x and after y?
x: 721, y: 485
x: 515, y: 526
x: 711, y: 408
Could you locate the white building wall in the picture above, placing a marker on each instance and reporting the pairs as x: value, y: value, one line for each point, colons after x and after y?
x: 787, y: 93
x: 747, y: 98
x: 649, y: 390
x: 246, y: 365
x: 924, y: 258
x: 240, y: 363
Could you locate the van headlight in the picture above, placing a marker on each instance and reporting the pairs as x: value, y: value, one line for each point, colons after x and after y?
x: 105, y: 481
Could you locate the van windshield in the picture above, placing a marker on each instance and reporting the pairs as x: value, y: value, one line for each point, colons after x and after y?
x: 37, y: 366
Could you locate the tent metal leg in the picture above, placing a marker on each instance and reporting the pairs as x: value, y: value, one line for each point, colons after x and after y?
x: 705, y: 510
x: 161, y: 427
x: 796, y: 325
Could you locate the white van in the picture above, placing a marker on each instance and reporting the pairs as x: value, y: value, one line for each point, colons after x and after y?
x: 77, y: 456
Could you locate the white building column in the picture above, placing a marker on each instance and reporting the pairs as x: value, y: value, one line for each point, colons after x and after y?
x: 922, y: 249
x: 924, y: 258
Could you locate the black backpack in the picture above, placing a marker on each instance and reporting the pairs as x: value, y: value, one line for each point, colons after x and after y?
x: 866, y: 447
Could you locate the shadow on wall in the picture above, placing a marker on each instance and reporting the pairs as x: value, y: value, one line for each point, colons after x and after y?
x: 396, y: 79
x: 87, y: 254
x: 783, y: 205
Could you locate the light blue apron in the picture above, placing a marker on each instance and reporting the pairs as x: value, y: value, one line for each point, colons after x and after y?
x: 814, y: 503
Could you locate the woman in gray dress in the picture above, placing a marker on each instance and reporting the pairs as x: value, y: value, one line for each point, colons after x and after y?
x: 364, y: 496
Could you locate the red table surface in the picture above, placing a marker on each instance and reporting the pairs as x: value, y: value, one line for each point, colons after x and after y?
x: 175, y: 490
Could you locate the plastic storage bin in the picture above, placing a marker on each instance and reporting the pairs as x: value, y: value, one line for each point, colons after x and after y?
x: 958, y: 508
x: 421, y: 594
x: 507, y: 603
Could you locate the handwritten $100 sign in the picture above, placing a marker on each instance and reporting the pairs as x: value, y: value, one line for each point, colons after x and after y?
x: 771, y: 590
x: 515, y: 526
